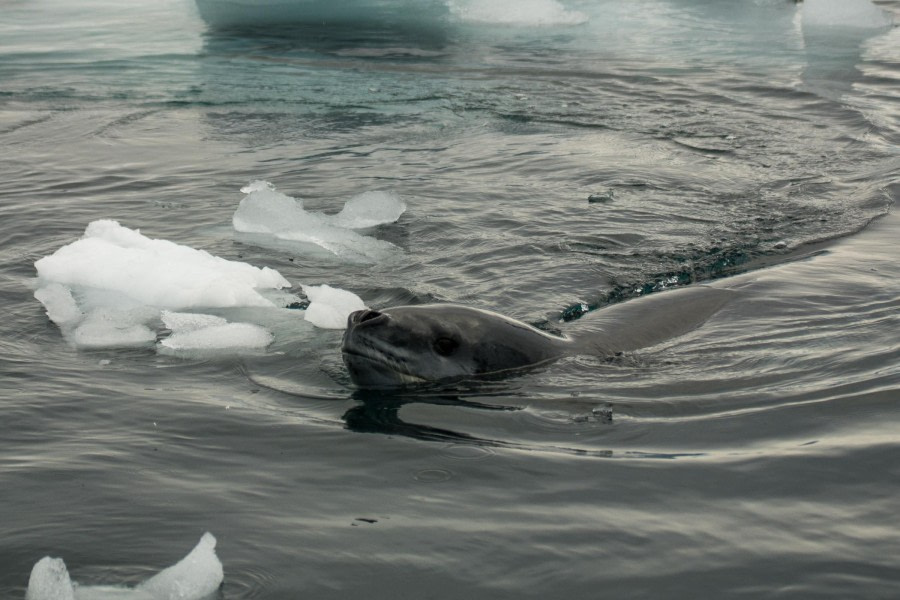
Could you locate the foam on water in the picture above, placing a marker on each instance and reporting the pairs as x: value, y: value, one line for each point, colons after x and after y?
x: 275, y: 219
x: 195, y: 577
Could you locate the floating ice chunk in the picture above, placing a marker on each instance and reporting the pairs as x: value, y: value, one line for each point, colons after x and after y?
x: 370, y: 209
x: 155, y: 272
x: 329, y: 307
x: 196, y: 332
x: 106, y: 290
x: 273, y: 218
x: 49, y: 580
x: 196, y: 577
x: 523, y: 13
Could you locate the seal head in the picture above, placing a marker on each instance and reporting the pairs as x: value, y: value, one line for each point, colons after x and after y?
x: 409, y: 345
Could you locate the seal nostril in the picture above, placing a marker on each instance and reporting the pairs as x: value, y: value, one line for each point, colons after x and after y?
x: 360, y: 316
x: 368, y: 315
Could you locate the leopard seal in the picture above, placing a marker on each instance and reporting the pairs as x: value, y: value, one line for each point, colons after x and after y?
x: 409, y: 345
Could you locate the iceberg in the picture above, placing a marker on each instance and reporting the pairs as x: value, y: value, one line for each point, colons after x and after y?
x: 271, y: 218
x: 411, y: 14
x: 195, y: 577
x: 520, y: 13
x: 237, y: 13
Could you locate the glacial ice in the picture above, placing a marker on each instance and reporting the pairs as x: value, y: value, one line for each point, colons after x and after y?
x: 329, y: 307
x: 271, y: 218
x: 195, y: 577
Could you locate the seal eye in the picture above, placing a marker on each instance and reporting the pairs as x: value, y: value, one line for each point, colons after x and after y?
x: 445, y: 346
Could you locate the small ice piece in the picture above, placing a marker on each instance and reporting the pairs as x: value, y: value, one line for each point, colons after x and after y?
x: 370, y: 209
x: 329, y: 307
x: 49, y: 580
x: 106, y: 290
x: 275, y: 219
x: 196, y: 576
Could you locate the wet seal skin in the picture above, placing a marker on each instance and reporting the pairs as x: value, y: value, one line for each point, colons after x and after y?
x: 412, y: 345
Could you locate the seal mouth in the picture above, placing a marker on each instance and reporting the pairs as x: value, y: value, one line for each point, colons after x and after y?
x: 369, y: 361
x: 368, y: 370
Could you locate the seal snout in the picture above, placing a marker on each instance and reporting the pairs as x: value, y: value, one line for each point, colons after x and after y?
x: 363, y: 316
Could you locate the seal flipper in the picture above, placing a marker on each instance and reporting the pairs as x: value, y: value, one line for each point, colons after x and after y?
x: 649, y: 320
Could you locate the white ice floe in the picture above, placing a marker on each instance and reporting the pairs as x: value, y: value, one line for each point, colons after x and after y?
x: 116, y: 288
x: 107, y: 289
x: 195, y: 577
x: 155, y: 272
x: 329, y: 307
x: 271, y: 218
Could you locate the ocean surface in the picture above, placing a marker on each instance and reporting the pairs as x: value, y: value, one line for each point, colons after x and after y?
x: 554, y: 158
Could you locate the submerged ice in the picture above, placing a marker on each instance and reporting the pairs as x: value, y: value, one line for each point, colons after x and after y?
x: 273, y: 218
x: 192, y: 332
x: 195, y: 577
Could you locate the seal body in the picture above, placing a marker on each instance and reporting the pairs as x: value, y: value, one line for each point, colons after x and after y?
x: 408, y: 345
x: 441, y: 342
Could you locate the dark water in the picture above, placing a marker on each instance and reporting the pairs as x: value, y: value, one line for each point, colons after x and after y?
x: 755, y: 457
